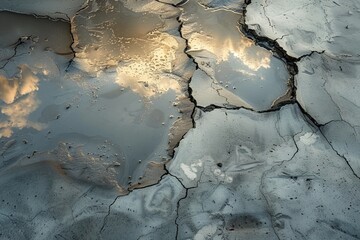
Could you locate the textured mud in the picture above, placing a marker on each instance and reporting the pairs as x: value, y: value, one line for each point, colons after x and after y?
x: 156, y: 120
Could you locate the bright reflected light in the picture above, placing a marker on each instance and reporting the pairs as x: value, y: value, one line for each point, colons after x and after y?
x: 17, y: 115
x: 219, y: 34
x: 8, y: 89
x: 19, y: 97
x: 150, y: 75
x: 132, y: 43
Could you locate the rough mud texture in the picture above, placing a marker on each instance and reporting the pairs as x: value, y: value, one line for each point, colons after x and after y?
x: 170, y: 119
x: 328, y: 68
x: 305, y: 26
x: 271, y: 175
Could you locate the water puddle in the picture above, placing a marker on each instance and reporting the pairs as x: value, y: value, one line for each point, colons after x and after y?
x: 105, y: 96
x: 113, y: 116
x: 233, y: 70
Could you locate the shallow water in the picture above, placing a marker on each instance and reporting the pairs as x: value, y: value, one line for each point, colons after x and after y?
x: 105, y: 96
x: 242, y: 73
x: 112, y: 118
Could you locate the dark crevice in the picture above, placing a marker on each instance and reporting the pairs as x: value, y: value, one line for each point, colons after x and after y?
x: 342, y: 156
x: 52, y: 18
x: 309, y: 55
x: 71, y: 47
x: 131, y: 190
x: 273, y: 46
x: 182, y: 198
x: 86, y: 5
x: 291, y: 63
x: 189, y: 89
x: 108, y: 214
x: 177, y: 212
x: 212, y: 107
x: 308, y: 117
x: 278, y: 51
x: 19, y: 42
x: 172, y: 4
x: 353, y: 127
x: 139, y: 187
x: 178, y: 202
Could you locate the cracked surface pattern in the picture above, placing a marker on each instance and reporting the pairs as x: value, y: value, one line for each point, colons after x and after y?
x: 270, y: 176
x: 170, y: 119
x: 233, y: 71
x: 329, y: 26
x: 328, y: 68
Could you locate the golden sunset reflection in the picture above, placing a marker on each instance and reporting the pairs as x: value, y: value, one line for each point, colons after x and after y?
x: 8, y: 90
x: 218, y: 33
x: 18, y: 94
x: 11, y: 88
x: 17, y: 115
x: 150, y: 74
x: 133, y: 43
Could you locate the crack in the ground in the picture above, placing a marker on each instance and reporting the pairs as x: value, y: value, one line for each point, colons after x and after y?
x: 177, y: 211
x: 189, y: 89
x: 71, y: 47
x: 353, y: 127
x: 108, y: 214
x: 280, y: 38
x: 264, y: 10
x: 129, y: 191
x: 342, y: 156
x: 86, y: 5
x: 275, y: 48
x: 184, y: 197
x: 218, y: 92
x: 332, y: 100
x: 272, y: 216
x: 15, y: 45
x: 211, y: 107
x: 308, y: 118
x: 173, y: 4
x: 262, y: 41
x: 24, y: 38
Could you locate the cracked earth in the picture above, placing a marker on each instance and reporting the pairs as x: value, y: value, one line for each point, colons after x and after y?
x: 208, y: 119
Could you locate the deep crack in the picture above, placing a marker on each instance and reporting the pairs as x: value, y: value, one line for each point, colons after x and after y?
x: 189, y: 89
x: 342, y: 156
x: 108, y: 214
x: 19, y: 42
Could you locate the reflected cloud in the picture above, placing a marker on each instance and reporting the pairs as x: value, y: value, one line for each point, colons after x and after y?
x: 29, y: 82
x: 18, y: 95
x: 8, y: 89
x: 130, y: 41
x: 150, y: 75
x: 17, y: 115
x: 242, y: 49
x: 107, y: 33
x: 12, y: 88
x: 239, y: 73
x: 219, y: 34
